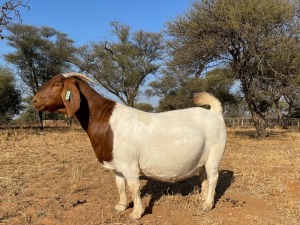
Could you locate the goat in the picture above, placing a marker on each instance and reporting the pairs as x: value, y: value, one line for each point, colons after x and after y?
x: 168, y: 146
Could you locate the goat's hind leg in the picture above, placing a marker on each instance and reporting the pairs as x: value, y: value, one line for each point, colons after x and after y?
x: 204, y: 183
x: 212, y: 178
x: 211, y: 168
x: 120, y: 181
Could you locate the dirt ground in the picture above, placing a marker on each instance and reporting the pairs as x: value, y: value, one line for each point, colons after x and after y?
x: 53, y: 177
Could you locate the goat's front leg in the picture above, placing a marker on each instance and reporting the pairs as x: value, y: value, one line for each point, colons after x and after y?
x: 134, y: 185
x: 122, y: 205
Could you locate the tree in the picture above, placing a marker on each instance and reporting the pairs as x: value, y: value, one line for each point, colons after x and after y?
x: 121, y: 67
x: 10, y: 96
x: 144, y: 107
x: 220, y: 82
x: 259, y: 40
x: 10, y: 12
x: 40, y: 53
x: 292, y: 99
x: 177, y: 88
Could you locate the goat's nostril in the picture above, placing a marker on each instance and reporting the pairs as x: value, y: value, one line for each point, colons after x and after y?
x: 34, y: 100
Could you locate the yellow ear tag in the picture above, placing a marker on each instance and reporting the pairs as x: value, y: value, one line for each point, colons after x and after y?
x: 68, y: 95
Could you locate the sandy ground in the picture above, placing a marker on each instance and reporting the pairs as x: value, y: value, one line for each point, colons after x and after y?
x: 53, y: 177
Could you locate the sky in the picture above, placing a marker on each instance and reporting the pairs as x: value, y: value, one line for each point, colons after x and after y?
x: 89, y: 20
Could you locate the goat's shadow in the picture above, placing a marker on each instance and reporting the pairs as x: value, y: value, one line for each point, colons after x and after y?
x: 157, y: 189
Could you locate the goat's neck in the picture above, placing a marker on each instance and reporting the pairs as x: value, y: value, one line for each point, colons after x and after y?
x: 94, y: 108
x: 93, y: 115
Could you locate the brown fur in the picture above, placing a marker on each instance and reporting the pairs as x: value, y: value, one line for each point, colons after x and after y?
x: 91, y: 109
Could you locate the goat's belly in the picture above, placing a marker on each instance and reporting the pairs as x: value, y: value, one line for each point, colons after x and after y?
x: 171, y: 168
x: 169, y: 176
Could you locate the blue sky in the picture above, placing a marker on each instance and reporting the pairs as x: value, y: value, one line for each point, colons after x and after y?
x: 85, y: 21
x: 89, y: 20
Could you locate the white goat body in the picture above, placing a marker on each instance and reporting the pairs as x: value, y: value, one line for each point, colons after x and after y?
x: 169, y: 146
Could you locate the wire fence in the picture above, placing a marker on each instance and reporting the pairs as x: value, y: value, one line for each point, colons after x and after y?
x: 230, y: 122
x: 59, y: 124
x: 271, y: 123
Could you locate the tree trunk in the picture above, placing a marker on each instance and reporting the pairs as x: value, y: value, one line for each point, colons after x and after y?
x: 260, y: 125
x: 41, y: 120
x: 290, y: 109
x: 70, y: 121
x: 290, y: 100
x: 130, y: 102
x: 281, y: 120
x: 259, y: 118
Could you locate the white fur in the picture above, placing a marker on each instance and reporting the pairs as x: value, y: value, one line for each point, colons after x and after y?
x: 169, y: 146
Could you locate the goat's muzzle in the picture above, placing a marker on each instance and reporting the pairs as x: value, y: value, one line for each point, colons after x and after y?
x: 38, y: 105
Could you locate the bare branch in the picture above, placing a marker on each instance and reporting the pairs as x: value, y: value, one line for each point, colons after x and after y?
x: 10, y: 12
x: 110, y: 51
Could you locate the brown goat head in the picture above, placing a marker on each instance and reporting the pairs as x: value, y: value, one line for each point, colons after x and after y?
x: 58, y: 94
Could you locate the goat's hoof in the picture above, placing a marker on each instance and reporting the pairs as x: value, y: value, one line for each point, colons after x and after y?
x: 135, y: 215
x: 206, y: 207
x: 120, y: 207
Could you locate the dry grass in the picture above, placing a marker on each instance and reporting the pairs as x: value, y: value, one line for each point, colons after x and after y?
x: 54, y: 178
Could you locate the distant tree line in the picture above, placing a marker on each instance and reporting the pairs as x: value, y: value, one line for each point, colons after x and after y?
x: 246, y: 53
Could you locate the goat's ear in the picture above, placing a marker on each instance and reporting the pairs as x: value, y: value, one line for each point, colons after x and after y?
x: 71, y: 97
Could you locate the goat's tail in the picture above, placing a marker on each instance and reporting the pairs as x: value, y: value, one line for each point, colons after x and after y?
x: 204, y: 98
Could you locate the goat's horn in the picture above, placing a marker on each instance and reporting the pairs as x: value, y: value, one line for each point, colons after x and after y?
x: 80, y: 75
